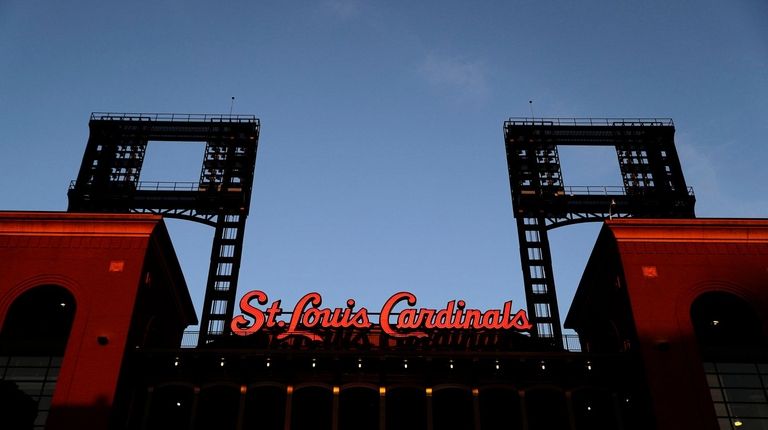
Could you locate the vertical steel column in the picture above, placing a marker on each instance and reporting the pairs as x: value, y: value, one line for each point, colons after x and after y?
x: 111, y: 166
x: 536, y: 178
x: 223, y: 273
x: 654, y: 186
x: 536, y: 262
x: 227, y: 167
x: 108, y: 181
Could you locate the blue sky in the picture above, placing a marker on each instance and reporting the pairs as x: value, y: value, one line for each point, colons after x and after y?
x: 381, y: 164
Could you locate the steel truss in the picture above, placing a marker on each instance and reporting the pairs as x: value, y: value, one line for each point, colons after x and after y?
x: 654, y: 187
x: 108, y: 181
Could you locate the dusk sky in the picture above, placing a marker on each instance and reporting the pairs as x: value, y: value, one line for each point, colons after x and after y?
x: 381, y: 165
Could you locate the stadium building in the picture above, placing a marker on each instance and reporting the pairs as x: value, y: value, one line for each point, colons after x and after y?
x: 670, y: 311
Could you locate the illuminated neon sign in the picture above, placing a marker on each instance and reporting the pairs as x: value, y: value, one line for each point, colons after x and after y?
x: 398, y: 318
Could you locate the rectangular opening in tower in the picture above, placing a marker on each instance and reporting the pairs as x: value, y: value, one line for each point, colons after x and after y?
x: 589, y: 166
x: 172, y: 162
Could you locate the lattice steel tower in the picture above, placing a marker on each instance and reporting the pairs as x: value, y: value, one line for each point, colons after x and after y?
x: 654, y: 187
x: 108, y: 181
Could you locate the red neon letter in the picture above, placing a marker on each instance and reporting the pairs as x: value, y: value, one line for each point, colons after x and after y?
x: 387, y: 309
x: 313, y: 299
x: 273, y: 312
x: 239, y: 323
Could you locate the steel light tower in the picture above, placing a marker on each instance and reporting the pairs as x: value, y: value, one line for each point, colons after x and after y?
x: 654, y: 187
x: 108, y: 181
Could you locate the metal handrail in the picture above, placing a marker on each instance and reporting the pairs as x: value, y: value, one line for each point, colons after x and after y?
x: 654, y: 122
x: 574, y: 190
x: 592, y: 190
x: 171, y: 186
x: 570, y: 342
x: 598, y: 190
x: 167, y: 186
x: 156, y: 185
x: 175, y: 117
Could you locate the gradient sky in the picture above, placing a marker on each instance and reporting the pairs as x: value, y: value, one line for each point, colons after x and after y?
x: 381, y: 164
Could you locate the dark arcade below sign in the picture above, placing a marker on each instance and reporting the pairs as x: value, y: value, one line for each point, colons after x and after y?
x: 398, y: 318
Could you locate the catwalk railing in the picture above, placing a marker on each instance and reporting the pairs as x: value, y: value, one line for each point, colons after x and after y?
x: 593, y: 190
x: 375, y: 339
x: 577, y: 190
x: 173, y: 186
x: 633, y: 122
x: 175, y: 117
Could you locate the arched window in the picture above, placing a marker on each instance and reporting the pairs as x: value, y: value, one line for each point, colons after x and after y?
x: 218, y: 408
x: 312, y: 408
x: 359, y: 409
x: 265, y: 408
x: 724, y: 323
x: 406, y: 408
x: 594, y: 410
x: 732, y: 344
x: 32, y: 343
x: 171, y: 407
x: 38, y: 322
x: 452, y: 408
x: 546, y: 409
x: 499, y: 408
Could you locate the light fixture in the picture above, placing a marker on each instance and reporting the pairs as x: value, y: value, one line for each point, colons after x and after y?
x: 176, y: 362
x: 359, y: 363
x: 498, y: 366
x: 178, y: 404
x: 268, y: 362
x: 589, y: 365
x: 405, y: 364
x: 738, y: 423
x: 222, y: 362
x: 543, y: 365
x: 63, y: 304
x: 450, y: 364
x: 314, y: 363
x: 715, y: 323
